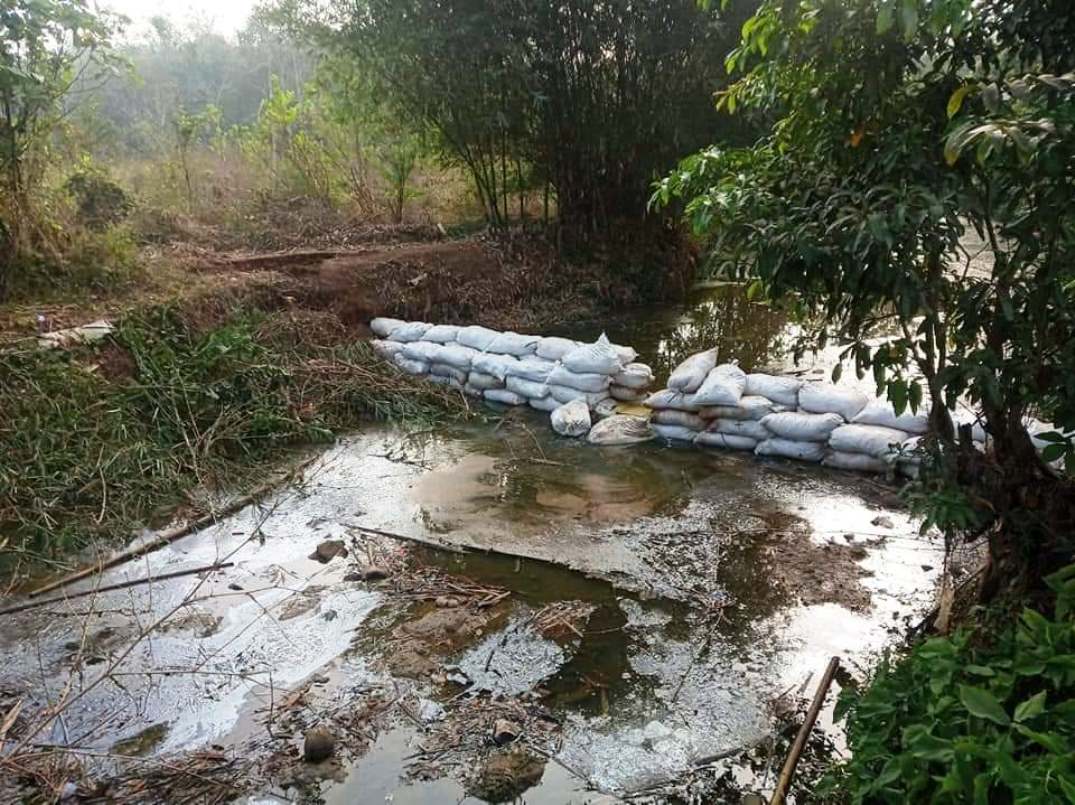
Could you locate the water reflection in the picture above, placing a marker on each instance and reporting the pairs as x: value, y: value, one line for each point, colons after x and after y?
x: 721, y: 316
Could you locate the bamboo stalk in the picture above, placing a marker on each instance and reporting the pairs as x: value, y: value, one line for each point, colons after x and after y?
x: 117, y: 586
x: 175, y: 533
x: 784, y: 781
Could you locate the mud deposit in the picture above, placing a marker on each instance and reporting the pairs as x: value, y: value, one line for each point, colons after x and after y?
x: 575, y: 623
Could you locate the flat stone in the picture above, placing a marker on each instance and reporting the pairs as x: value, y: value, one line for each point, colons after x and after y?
x: 328, y: 550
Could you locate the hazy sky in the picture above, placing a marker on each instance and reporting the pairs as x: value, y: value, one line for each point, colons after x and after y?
x: 226, y: 16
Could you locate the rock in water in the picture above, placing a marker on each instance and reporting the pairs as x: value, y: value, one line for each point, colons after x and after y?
x: 504, y: 777
x: 318, y: 745
x: 504, y: 731
x: 328, y: 550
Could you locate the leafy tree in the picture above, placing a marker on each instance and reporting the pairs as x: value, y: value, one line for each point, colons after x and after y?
x: 584, y: 102
x: 45, y: 46
x: 899, y: 126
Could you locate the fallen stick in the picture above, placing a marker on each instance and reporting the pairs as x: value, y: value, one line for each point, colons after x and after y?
x: 784, y: 781
x: 175, y: 533
x: 109, y: 587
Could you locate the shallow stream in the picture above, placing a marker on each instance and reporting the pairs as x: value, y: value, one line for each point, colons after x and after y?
x: 717, y: 584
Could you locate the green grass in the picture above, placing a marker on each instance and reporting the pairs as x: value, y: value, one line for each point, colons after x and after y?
x: 97, y: 441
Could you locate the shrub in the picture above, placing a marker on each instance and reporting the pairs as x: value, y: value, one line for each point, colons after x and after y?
x: 970, y: 718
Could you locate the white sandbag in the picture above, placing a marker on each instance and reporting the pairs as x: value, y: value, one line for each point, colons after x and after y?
x: 881, y: 412
x: 514, y: 344
x: 627, y: 354
x: 691, y: 373
x: 476, y: 337
x: 634, y: 376
x: 441, y: 333
x: 667, y: 398
x: 422, y: 351
x: 384, y: 327
x: 444, y: 370
x: 530, y: 389
x: 786, y: 448
x: 504, y: 397
x: 571, y: 419
x: 473, y: 390
x: 825, y: 398
x: 482, y: 381
x: 532, y: 368
x: 870, y: 440
x: 801, y: 427
x: 554, y: 348
x: 620, y: 430
x: 723, y: 385
x: 624, y: 394
x: 605, y: 408
x: 457, y: 355
x: 583, y: 381
x: 727, y: 441
x: 566, y: 394
x: 749, y: 407
x: 409, y: 366
x: 496, y: 365
x: 858, y: 462
x: 674, y: 433
x: 683, y: 419
x: 546, y: 404
x: 410, y: 331
x: 748, y: 428
x: 596, y: 358
x: 386, y: 349
x: 781, y: 390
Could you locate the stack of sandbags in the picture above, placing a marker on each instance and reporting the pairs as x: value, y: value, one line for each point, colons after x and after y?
x: 876, y: 439
x: 803, y: 434
x: 675, y: 409
x: 713, y: 405
x: 515, y: 369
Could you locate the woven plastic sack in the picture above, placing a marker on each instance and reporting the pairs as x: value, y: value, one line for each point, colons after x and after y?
x: 727, y: 441
x: 825, y: 398
x: 800, y: 427
x: 571, y: 419
x: 691, y: 373
x: 870, y: 440
x: 881, y: 412
x: 583, y: 381
x: 781, y: 390
x: 634, y: 376
x: 597, y: 358
x: 723, y: 385
x: 383, y: 327
x: 620, y: 430
x: 786, y: 448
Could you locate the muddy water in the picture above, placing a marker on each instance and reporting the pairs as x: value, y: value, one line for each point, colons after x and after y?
x: 717, y: 583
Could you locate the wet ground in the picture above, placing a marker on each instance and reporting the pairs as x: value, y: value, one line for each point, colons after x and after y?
x: 636, y: 613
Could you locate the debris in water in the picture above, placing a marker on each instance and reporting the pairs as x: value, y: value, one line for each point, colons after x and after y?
x: 512, y: 662
x: 318, y: 745
x: 504, y: 732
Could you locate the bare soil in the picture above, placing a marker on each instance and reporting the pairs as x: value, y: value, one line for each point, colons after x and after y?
x: 511, y: 282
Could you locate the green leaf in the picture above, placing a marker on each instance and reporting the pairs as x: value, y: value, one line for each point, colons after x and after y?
x: 983, y: 704
x: 955, y: 102
x: 1034, y: 706
x: 885, y: 19
x: 1050, y: 740
x: 909, y: 19
x: 1053, y: 452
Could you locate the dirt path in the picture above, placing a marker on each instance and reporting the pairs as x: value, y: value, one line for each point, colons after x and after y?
x: 502, y: 284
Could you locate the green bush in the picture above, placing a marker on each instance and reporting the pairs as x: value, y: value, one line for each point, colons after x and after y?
x: 100, y: 439
x: 975, y: 717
